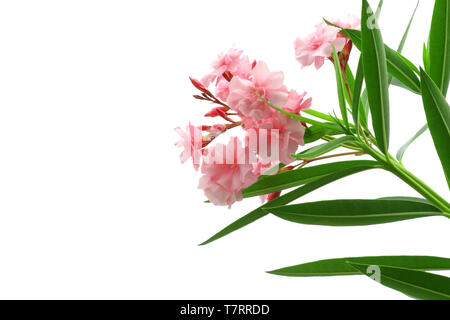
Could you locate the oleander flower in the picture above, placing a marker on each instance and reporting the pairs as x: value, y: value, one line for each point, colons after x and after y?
x: 353, y: 22
x: 265, y: 83
x: 226, y: 171
x: 232, y: 62
x: 222, y: 89
x: 295, y: 102
x: 316, y: 47
x: 191, y: 143
x: 282, y: 134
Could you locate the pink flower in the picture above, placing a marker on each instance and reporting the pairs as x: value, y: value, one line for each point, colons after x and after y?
x: 283, y: 135
x: 192, y: 144
x: 268, y: 85
x: 319, y: 45
x: 296, y: 102
x: 233, y: 62
x: 228, y: 65
x: 223, y: 89
x: 353, y: 22
x: 226, y: 171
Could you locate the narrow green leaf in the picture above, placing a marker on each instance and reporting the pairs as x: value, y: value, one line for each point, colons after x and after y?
x: 357, y: 107
x: 402, y: 44
x: 294, y: 178
x: 413, y: 283
x: 285, y: 199
x: 378, y: 12
x: 340, y: 87
x: 354, y: 212
x: 350, y: 78
x: 437, y: 112
x: 397, y: 65
x: 364, y: 112
x: 375, y: 72
x: 340, y: 266
x: 402, y: 150
x: 318, y: 114
x: 426, y: 58
x: 405, y: 34
x: 315, y: 133
x: 439, y: 45
x: 349, y: 85
x: 408, y: 199
x: 323, y: 148
x: 395, y: 82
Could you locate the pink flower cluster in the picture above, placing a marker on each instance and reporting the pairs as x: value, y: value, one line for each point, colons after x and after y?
x: 239, y: 87
x: 316, y: 47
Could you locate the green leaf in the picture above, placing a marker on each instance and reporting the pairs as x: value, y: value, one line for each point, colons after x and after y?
x: 439, y: 45
x: 375, y: 72
x: 350, y: 78
x: 340, y: 266
x: 426, y: 58
x: 340, y: 87
x: 397, y: 65
x: 285, y: 199
x: 378, y: 12
x: 405, y: 34
x: 402, y: 150
x: 323, y: 148
x: 315, y: 133
x: 357, y: 106
x: 294, y: 178
x: 437, y: 112
x: 413, y: 283
x: 408, y: 199
x: 364, y: 112
x: 354, y: 212
x: 401, y: 46
x: 318, y: 114
x: 399, y: 84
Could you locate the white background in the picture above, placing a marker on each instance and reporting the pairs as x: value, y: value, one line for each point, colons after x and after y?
x: 93, y: 200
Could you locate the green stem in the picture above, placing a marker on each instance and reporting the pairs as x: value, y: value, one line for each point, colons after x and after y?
x: 422, y: 188
x: 393, y: 166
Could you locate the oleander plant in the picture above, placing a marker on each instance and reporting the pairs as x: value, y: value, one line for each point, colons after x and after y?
x: 273, y: 159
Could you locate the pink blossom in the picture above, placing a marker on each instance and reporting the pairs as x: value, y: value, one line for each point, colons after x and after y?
x: 192, y: 144
x: 224, y: 177
x: 296, y: 102
x: 265, y: 83
x: 223, y: 89
x: 233, y: 62
x: 319, y: 45
x: 353, y: 22
x: 283, y: 134
x: 228, y: 65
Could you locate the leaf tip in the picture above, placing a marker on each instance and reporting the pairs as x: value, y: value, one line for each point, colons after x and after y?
x: 273, y: 272
x: 204, y: 243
